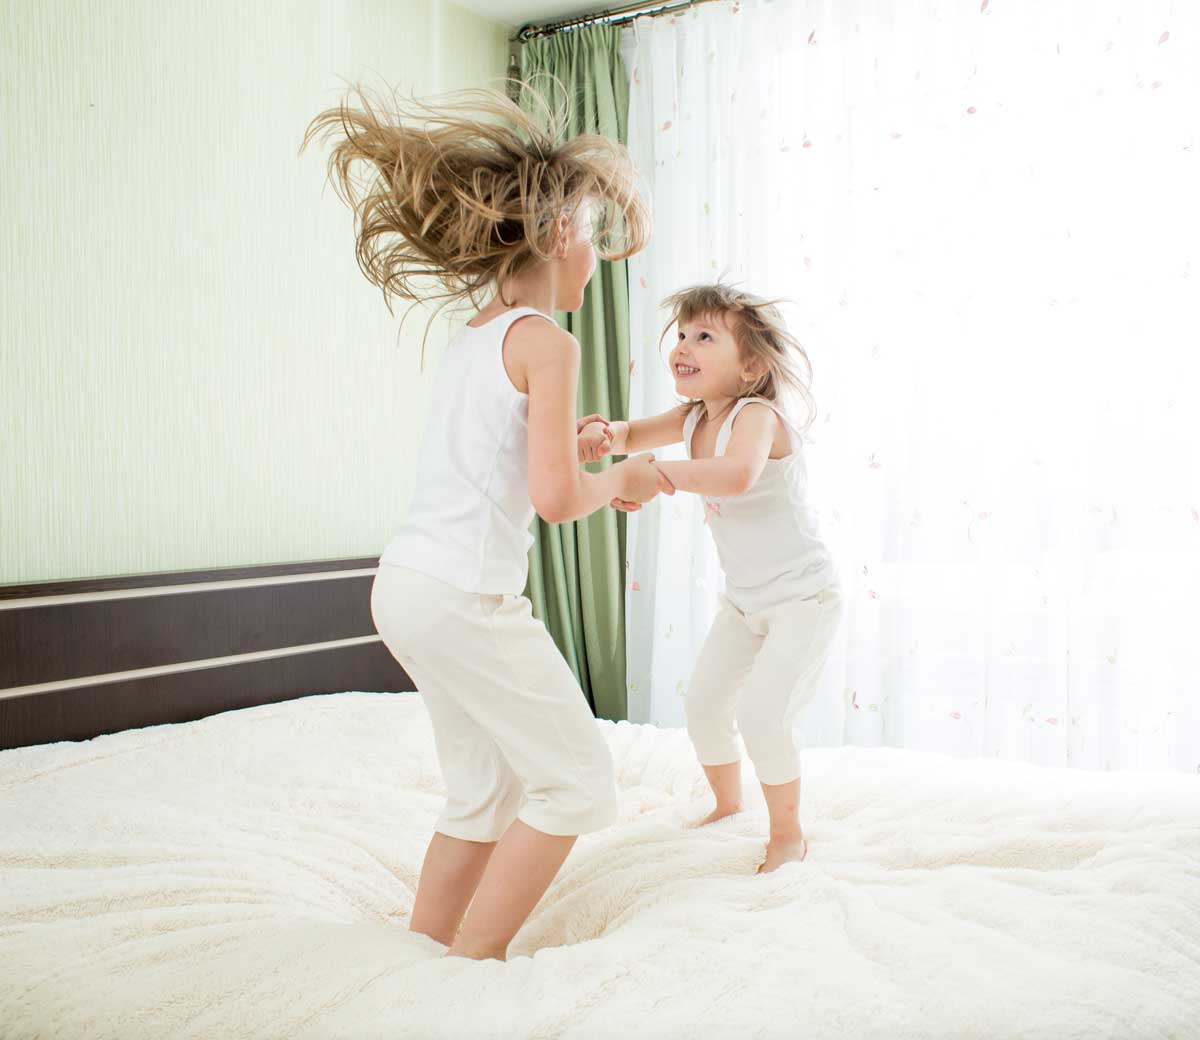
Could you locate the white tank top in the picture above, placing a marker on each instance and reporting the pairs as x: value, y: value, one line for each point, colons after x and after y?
x: 468, y: 523
x: 767, y: 538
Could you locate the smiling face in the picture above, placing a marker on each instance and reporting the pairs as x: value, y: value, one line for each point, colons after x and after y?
x: 706, y: 361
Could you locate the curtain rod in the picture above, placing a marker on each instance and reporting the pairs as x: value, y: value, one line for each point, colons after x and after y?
x: 613, y: 16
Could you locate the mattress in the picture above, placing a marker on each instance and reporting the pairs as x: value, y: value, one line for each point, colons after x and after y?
x: 252, y: 875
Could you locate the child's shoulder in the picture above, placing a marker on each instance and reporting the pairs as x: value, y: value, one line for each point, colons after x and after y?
x: 536, y: 335
x: 758, y: 417
x: 761, y: 413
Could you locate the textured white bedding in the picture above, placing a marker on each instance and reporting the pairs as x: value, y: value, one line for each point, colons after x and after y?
x: 251, y: 875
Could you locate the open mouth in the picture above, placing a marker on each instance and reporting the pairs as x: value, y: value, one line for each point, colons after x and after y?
x: 685, y: 370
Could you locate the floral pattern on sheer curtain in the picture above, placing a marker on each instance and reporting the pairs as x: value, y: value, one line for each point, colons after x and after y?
x: 985, y: 214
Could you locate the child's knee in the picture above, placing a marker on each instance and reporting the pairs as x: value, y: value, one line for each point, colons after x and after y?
x: 771, y: 745
x: 711, y: 729
x: 577, y: 800
x: 705, y: 700
x: 481, y: 814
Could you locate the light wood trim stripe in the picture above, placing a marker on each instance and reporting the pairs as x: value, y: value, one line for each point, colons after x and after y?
x: 183, y: 666
x: 172, y: 590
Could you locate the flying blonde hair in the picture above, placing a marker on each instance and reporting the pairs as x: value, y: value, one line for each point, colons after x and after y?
x: 760, y: 334
x: 456, y: 195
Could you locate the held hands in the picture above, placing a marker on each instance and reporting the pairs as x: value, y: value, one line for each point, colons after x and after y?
x: 595, y: 438
x: 643, y: 481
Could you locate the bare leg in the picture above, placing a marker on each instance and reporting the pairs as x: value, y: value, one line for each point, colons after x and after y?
x: 520, y: 871
x: 449, y: 877
x: 726, y: 783
x: 787, y: 844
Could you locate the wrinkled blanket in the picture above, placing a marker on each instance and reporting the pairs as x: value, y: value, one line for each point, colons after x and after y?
x: 251, y: 875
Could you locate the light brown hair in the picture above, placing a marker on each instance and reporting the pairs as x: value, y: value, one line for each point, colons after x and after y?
x: 761, y: 336
x: 463, y: 192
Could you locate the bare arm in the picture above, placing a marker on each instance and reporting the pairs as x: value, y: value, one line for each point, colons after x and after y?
x: 644, y: 434
x: 545, y: 359
x: 735, y: 472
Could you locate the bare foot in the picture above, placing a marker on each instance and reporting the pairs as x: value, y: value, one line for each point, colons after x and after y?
x: 784, y: 850
x: 719, y: 813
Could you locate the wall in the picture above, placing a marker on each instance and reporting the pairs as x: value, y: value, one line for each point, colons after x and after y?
x: 193, y: 373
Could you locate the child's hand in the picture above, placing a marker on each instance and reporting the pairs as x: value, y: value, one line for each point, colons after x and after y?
x: 665, y: 487
x: 595, y: 441
x: 587, y: 420
x: 641, y: 480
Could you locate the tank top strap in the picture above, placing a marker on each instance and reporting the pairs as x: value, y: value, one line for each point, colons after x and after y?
x: 689, y: 427
x: 726, y: 431
x: 500, y: 324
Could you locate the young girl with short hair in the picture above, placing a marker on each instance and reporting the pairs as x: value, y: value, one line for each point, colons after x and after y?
x: 735, y: 363
x: 468, y: 198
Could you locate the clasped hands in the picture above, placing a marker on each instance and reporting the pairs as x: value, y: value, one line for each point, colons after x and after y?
x: 595, y: 442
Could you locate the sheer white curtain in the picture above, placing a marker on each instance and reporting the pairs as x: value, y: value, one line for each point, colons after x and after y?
x: 986, y: 214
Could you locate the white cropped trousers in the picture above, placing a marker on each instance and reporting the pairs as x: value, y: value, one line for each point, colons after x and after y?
x: 515, y: 737
x: 754, y: 673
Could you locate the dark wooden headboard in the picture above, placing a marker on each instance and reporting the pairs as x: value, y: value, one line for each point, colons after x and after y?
x: 81, y: 658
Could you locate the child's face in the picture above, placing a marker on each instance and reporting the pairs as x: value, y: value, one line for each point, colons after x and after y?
x: 705, y: 360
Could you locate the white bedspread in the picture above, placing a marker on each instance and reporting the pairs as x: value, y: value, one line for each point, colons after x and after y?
x: 251, y: 875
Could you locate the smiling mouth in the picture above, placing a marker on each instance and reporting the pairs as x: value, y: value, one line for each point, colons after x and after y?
x: 685, y: 370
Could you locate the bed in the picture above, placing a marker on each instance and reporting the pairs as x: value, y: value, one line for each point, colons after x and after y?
x: 250, y: 874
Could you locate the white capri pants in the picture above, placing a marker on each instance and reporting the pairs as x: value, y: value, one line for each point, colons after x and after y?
x: 515, y: 737
x: 754, y: 673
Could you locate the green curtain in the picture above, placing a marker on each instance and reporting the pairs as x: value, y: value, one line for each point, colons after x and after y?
x: 577, y: 569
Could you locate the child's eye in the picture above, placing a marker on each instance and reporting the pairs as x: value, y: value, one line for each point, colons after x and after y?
x: 705, y: 335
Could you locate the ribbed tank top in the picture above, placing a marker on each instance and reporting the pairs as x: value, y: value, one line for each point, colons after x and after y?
x: 767, y: 538
x: 468, y: 522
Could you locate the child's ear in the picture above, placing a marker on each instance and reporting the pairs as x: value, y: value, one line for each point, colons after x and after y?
x: 562, y: 228
x: 753, y: 372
